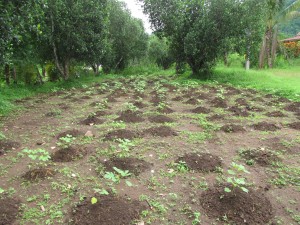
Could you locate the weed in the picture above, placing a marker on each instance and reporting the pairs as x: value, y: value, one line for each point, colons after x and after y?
x: 38, y: 154
x: 66, y: 141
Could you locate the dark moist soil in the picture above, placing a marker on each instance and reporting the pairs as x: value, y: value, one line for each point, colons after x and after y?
x: 38, y: 174
x: 254, y: 108
x: 7, y: 145
x: 139, y: 104
x: 52, y: 114
x: 68, y: 154
x: 264, y: 126
x: 162, y: 131
x: 166, y: 110
x: 293, y: 107
x: 203, y: 96
x: 74, y: 133
x: 161, y: 119
x: 275, y: 114
x: 101, y: 113
x: 239, y: 111
x: 86, y: 97
x: 92, y: 120
x: 63, y: 106
x: 260, y: 156
x: 203, y: 162
x: 177, y: 99
x: 121, y: 134
x: 232, y: 128
x: 130, y: 117
x: 241, y: 101
x: 155, y: 100
x: 9, y: 210
x: 192, y: 101
x: 295, y: 125
x: 201, y: 109
x: 219, y: 103
x: 134, y: 165
x: 107, y: 211
x: 251, y: 208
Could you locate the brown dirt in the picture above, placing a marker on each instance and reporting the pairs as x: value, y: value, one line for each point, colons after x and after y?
x: 139, y: 104
x: 38, y: 174
x: 74, y: 133
x: 275, y: 114
x: 216, y: 117
x: 161, y: 119
x: 68, y: 154
x: 93, y: 104
x: 92, y: 120
x: 155, y: 100
x: 130, y: 117
x: 201, y: 109
x: 107, y: 211
x: 251, y: 208
x: 265, y: 126
x: 219, y: 103
x: 177, y: 99
x: 261, y: 156
x: 241, y: 101
x: 203, y: 162
x: 295, y: 125
x: 232, y: 128
x: 239, y: 111
x: 52, y: 114
x: 86, y: 97
x: 101, y: 113
x: 121, y: 134
x: 7, y: 145
x: 9, y: 210
x: 166, y: 110
x: 203, y: 96
x: 258, y: 99
x: 293, y: 107
x: 254, y: 108
x: 162, y: 131
x: 133, y: 165
x: 63, y: 106
x: 192, y: 101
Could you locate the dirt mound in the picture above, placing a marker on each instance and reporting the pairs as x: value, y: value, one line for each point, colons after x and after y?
x: 216, y: 117
x: 201, y: 109
x: 130, y: 117
x: 251, y: 208
x: 295, y: 125
x: 258, y: 99
x: 241, y: 101
x: 219, y: 103
x: 68, y: 154
x: 261, y: 156
x: 73, y: 133
x: 52, y: 114
x: 38, y: 174
x: 201, y: 161
x: 9, y: 210
x: 203, y: 96
x: 121, y: 134
x: 134, y: 165
x: 275, y: 114
x: 63, y: 106
x: 177, y: 99
x: 264, y: 126
x: 162, y: 131
x: 165, y: 110
x: 293, y: 107
x: 86, y: 97
x: 192, y: 101
x: 7, y: 145
x: 239, y: 111
x: 161, y: 119
x: 139, y: 104
x: 232, y: 128
x: 107, y: 211
x: 156, y: 100
x: 92, y: 120
x: 101, y: 113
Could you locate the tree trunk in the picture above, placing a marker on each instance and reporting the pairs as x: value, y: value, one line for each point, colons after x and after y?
x: 262, y: 52
x: 225, y: 58
x: 44, y: 71
x: 274, y: 44
x: 14, y: 75
x: 7, y: 74
x: 95, y: 68
x: 66, y: 69
x: 268, y: 47
x: 39, y: 75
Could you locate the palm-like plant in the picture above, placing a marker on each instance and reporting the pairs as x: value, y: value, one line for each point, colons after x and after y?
x: 277, y: 13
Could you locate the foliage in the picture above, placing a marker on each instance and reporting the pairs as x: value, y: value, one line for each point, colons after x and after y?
x: 235, y: 178
x: 38, y: 154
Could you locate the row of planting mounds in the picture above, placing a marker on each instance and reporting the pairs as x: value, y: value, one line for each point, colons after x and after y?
x: 7, y: 145
x: 130, y: 117
x: 91, y: 120
x: 239, y: 111
x: 121, y: 134
x: 261, y: 156
x: 265, y: 126
x: 107, y: 211
x: 68, y: 154
x: 201, y: 109
x: 239, y: 207
x: 73, y: 133
x: 162, y: 131
x: 216, y: 117
x: 219, y: 103
x: 38, y: 174
x: 232, y: 128
x: 9, y: 210
x: 203, y: 162
x: 160, y: 119
x: 133, y: 165
x: 192, y: 101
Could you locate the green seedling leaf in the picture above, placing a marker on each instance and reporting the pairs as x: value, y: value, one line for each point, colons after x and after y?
x: 1, y: 190
x: 94, y: 200
x: 128, y: 183
x: 245, y: 189
x: 231, y: 172
x: 227, y: 190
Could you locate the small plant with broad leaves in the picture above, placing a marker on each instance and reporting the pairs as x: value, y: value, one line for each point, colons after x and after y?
x: 37, y: 154
x: 180, y: 167
x: 116, y: 177
x: 124, y: 145
x: 130, y: 107
x: 1, y: 191
x: 66, y: 141
x: 235, y: 178
x: 2, y: 136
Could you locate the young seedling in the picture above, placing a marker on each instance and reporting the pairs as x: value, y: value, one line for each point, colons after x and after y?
x: 38, y: 154
x: 66, y: 141
x: 236, y: 178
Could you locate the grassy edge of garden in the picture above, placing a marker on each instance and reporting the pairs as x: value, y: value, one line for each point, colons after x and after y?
x: 264, y: 80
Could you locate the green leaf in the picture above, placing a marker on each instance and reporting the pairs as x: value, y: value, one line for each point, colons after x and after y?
x: 1, y: 190
x: 104, y: 192
x: 231, y: 172
x: 94, y: 200
x: 244, y: 189
x: 129, y: 184
x: 227, y: 190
